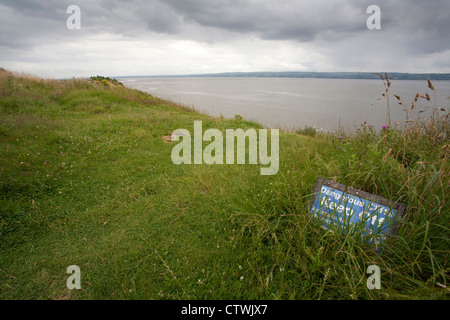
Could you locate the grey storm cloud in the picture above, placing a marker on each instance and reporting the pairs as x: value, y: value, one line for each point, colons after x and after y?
x: 296, y: 20
x: 331, y: 28
x: 276, y: 20
x: 282, y: 19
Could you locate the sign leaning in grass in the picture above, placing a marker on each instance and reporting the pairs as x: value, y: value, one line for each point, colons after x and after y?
x: 371, y: 217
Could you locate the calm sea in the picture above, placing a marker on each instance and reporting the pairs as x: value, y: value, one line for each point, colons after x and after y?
x: 290, y: 103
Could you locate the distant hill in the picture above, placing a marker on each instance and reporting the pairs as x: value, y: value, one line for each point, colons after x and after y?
x: 324, y: 75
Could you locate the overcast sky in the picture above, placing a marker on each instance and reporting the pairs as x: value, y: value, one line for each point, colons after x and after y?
x: 163, y: 37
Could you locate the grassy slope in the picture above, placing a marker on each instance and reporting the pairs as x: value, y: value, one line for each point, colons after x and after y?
x: 86, y: 179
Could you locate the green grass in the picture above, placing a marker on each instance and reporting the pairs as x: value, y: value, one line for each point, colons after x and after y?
x: 86, y: 179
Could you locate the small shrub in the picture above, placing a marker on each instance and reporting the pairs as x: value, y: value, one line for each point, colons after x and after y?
x: 307, y: 131
x: 106, y: 81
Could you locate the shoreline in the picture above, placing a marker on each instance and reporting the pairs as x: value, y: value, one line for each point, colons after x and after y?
x: 285, y: 104
x: 309, y: 75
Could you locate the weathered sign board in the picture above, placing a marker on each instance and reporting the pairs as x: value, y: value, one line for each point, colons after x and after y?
x: 349, y: 209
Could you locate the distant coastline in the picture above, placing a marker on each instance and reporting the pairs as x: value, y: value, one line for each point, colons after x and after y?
x: 320, y: 75
x: 290, y: 103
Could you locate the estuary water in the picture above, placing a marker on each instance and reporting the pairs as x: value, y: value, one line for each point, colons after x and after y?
x: 293, y: 103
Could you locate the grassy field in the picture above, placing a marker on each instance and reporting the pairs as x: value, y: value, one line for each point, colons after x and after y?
x: 86, y: 179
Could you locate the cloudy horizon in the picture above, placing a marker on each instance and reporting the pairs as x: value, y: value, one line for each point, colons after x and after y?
x: 156, y: 37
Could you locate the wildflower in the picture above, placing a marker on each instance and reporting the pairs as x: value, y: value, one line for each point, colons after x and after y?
x: 384, y: 126
x: 340, y: 137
